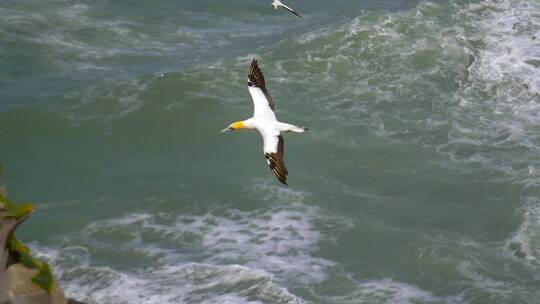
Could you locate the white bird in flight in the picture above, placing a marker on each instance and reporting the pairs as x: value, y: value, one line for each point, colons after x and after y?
x: 264, y: 120
x: 276, y: 4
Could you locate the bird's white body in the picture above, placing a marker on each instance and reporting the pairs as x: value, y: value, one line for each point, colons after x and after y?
x: 264, y: 120
x: 276, y: 4
x: 270, y: 131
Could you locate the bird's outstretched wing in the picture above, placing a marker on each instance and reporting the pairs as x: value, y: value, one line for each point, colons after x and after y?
x: 275, y: 160
x: 263, y: 105
x: 290, y: 10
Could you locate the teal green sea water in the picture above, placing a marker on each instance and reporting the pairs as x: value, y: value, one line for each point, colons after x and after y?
x: 418, y: 181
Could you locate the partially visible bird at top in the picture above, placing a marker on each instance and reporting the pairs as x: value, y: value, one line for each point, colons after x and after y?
x: 264, y: 120
x: 276, y: 4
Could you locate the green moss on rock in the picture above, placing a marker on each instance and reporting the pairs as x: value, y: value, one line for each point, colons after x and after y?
x: 44, y: 278
x: 15, y: 210
x: 20, y: 252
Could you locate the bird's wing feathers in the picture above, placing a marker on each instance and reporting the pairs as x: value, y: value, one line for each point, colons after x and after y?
x: 262, y: 101
x: 275, y: 160
x: 290, y: 10
x: 256, y: 76
x: 273, y: 144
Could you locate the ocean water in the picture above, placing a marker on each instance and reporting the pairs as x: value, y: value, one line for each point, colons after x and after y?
x: 418, y: 181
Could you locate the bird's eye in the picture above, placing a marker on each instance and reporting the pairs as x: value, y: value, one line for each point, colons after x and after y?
x: 250, y: 83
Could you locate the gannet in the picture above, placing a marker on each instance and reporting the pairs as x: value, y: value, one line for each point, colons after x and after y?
x: 276, y: 4
x: 264, y: 120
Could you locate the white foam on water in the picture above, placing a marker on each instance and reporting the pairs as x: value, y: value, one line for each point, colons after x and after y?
x: 106, y: 101
x: 500, y: 105
x: 223, y: 255
x: 60, y: 36
x: 175, y: 281
x: 525, y: 242
x: 188, y: 283
x: 503, y: 291
x: 391, y: 292
x: 510, y: 50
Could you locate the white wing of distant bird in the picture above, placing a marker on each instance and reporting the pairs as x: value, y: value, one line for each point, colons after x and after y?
x: 276, y: 4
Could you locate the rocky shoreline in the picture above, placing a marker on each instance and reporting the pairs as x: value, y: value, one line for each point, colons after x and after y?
x: 23, y: 279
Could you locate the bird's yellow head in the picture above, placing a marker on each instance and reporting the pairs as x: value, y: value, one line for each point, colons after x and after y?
x: 239, y: 125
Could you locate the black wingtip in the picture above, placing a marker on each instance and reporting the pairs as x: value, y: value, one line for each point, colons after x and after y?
x: 295, y: 13
x: 254, y: 65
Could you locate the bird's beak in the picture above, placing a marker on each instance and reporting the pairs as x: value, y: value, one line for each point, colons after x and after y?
x: 225, y: 130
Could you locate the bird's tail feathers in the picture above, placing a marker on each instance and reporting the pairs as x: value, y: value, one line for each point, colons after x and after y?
x: 292, y: 128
